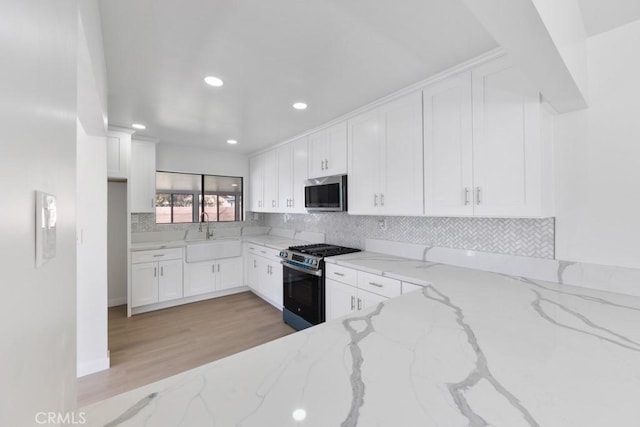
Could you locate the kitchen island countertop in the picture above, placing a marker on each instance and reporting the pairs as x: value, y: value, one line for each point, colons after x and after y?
x: 472, y: 348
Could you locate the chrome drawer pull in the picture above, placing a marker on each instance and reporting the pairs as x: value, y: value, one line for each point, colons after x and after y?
x: 353, y: 302
x: 377, y: 285
x: 339, y: 274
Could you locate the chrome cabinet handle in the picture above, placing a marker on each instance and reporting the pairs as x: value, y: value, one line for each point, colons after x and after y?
x: 338, y: 274
x: 218, y: 268
x: 377, y: 285
x: 478, y: 191
x: 152, y: 204
x: 161, y: 271
x: 158, y: 255
x: 155, y: 271
x: 254, y: 263
x: 381, y: 199
x: 359, y: 304
x: 273, y: 203
x: 326, y: 163
x: 466, y: 195
x: 375, y: 200
x: 213, y: 268
x: 321, y: 165
x: 353, y: 302
x: 264, y: 252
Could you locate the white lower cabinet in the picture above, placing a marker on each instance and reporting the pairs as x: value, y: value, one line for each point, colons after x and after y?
x: 264, y: 274
x: 156, y: 276
x: 210, y: 276
x: 348, y: 290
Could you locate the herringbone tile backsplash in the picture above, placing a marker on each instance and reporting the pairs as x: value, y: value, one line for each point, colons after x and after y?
x: 515, y: 236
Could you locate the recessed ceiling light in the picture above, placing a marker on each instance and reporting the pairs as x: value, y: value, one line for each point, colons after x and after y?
x: 138, y: 126
x: 300, y: 106
x: 213, y: 81
x: 299, y: 414
x: 231, y: 141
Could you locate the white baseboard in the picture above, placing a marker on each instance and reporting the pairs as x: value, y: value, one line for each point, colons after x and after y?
x: 93, y: 366
x: 117, y: 301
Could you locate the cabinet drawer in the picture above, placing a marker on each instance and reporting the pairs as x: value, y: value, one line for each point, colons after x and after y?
x: 156, y: 255
x: 341, y: 274
x: 262, y: 251
x: 379, y: 285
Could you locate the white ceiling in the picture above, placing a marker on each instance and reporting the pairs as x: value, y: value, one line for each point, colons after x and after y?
x: 604, y: 15
x: 336, y: 55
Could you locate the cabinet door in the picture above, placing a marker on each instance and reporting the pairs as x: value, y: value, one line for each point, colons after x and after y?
x: 448, y: 147
x: 285, y: 178
x: 143, y: 177
x: 170, y: 280
x: 229, y: 273
x: 335, y: 162
x: 200, y: 278
x: 270, y: 181
x: 401, y: 160
x: 300, y: 174
x: 364, y: 164
x: 256, y: 184
x: 276, y: 291
x: 507, y: 143
x: 118, y: 154
x: 144, y: 284
x: 340, y: 299
x: 253, y: 278
x: 368, y: 299
x: 317, y: 154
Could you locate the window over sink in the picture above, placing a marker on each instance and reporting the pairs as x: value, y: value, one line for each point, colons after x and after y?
x: 189, y: 198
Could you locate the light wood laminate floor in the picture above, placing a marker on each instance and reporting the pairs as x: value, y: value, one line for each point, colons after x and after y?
x: 151, y: 346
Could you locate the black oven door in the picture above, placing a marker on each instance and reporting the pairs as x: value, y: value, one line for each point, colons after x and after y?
x: 304, y: 292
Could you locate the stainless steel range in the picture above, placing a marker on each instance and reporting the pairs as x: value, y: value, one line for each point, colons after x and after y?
x: 303, y: 282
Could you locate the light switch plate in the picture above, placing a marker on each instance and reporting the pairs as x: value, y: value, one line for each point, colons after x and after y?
x: 46, y: 219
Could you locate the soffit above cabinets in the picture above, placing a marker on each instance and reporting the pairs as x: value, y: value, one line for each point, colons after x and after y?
x: 600, y: 16
x: 334, y: 55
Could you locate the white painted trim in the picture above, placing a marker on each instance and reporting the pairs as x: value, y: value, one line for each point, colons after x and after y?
x: 93, y: 366
x: 144, y: 139
x: 113, y: 302
x: 464, y: 66
x: 121, y: 129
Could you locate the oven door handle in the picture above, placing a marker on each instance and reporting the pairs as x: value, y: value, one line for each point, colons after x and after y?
x: 302, y: 270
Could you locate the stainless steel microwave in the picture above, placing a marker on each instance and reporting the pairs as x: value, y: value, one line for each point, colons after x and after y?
x: 327, y: 194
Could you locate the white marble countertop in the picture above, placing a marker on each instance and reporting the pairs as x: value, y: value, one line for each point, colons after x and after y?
x: 274, y: 242
x: 473, y: 348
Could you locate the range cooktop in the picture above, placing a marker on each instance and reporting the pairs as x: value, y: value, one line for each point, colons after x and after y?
x: 322, y: 250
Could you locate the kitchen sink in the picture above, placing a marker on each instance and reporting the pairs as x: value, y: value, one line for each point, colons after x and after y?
x: 207, y: 250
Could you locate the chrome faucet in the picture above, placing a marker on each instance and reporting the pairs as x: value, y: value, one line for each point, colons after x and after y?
x: 209, y: 233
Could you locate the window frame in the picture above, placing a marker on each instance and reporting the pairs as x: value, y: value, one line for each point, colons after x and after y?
x: 198, y: 199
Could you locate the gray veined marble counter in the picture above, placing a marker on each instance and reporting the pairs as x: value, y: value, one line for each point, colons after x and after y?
x: 472, y: 348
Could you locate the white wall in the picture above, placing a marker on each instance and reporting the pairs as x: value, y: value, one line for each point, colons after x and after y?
x: 91, y: 214
x: 37, y: 152
x: 117, y: 243
x: 598, y: 158
x: 178, y: 158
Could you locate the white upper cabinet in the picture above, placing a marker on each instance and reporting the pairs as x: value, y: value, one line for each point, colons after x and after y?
x: 142, y: 186
x: 118, y: 153
x: 270, y: 195
x: 364, y: 163
x: 263, y: 182
x: 292, y: 173
x: 328, y: 151
x: 401, y: 161
x: 385, y: 159
x: 256, y: 184
x: 507, y: 143
x: 484, y: 153
x: 448, y: 147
